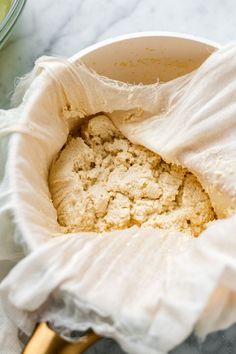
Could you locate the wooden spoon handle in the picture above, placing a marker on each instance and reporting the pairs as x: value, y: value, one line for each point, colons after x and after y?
x: 45, y: 341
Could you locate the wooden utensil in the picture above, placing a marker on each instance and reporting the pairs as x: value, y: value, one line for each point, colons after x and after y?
x: 45, y: 341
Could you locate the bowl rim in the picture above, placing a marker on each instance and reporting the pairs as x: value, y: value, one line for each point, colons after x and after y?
x: 145, y: 34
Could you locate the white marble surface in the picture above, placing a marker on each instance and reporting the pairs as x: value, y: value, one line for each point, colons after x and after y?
x: 62, y: 27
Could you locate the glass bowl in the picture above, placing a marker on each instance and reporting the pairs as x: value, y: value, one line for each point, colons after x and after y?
x: 9, y: 20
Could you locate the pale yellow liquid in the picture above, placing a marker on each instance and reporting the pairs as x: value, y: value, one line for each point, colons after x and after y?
x: 5, y: 6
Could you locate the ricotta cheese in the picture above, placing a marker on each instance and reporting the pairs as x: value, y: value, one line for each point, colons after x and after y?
x: 100, y: 181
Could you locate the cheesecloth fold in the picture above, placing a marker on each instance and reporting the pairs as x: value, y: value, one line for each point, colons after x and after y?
x: 147, y: 288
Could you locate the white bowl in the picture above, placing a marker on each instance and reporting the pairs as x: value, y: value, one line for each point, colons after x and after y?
x: 141, y: 57
x: 147, y: 56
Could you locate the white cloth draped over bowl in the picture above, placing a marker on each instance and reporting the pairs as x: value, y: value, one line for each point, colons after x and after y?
x: 147, y: 288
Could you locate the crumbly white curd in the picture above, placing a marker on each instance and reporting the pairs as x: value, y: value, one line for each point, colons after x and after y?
x: 101, y: 181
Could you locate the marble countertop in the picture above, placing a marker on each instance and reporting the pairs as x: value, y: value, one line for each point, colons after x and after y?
x: 64, y: 27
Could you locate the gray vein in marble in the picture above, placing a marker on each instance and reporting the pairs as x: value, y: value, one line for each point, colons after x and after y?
x: 120, y: 17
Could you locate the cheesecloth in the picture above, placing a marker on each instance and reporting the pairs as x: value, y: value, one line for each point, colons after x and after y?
x: 147, y: 288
